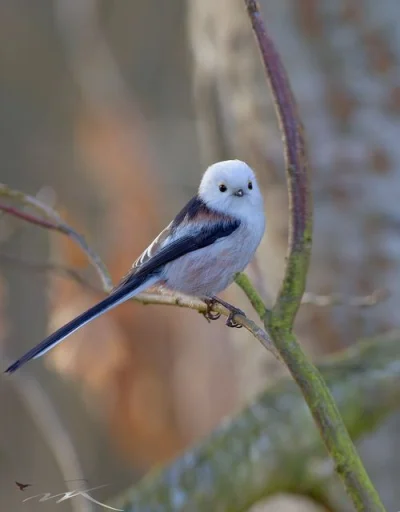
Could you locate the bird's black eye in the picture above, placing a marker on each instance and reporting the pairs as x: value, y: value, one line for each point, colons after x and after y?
x: 222, y: 188
x: 250, y: 185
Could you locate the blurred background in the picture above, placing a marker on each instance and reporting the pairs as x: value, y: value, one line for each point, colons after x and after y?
x: 110, y: 112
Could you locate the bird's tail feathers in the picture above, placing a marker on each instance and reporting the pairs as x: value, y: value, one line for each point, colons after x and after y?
x: 120, y: 295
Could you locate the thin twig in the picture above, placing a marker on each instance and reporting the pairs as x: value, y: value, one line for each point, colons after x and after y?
x: 280, y: 322
x: 313, y: 299
x: 27, y: 217
x: 53, y: 221
x: 336, y: 299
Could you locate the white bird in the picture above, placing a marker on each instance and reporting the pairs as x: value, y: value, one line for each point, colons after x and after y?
x: 211, y: 239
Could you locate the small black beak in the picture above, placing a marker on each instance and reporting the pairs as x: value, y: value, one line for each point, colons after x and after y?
x: 239, y: 192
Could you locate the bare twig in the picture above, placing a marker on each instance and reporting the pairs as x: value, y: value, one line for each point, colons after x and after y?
x: 27, y: 217
x: 363, y: 301
x: 314, y: 299
x: 280, y: 321
x: 53, y: 221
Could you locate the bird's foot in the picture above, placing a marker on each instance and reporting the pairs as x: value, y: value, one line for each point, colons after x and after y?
x: 209, y: 314
x: 233, y: 311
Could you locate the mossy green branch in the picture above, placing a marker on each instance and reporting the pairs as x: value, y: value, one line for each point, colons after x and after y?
x: 273, y: 446
x: 279, y: 323
x: 320, y: 402
x: 252, y: 294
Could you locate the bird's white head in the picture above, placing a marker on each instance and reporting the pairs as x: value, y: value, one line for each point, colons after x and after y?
x: 231, y: 187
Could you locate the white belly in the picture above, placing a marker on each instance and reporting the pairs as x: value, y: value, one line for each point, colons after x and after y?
x: 210, y: 270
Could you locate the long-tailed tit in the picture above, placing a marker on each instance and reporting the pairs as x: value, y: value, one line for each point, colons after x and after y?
x: 211, y: 239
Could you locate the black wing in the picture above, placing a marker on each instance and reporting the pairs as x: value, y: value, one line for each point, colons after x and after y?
x: 206, y: 236
x: 194, y: 208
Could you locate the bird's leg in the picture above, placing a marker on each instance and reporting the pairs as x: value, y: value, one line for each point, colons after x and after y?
x: 232, y: 312
x: 210, y: 314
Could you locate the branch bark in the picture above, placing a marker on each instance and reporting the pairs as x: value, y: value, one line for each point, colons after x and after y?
x: 273, y: 446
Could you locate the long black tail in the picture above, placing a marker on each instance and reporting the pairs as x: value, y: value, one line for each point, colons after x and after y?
x: 117, y: 297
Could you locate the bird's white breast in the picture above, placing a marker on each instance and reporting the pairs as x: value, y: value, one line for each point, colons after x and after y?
x: 210, y: 270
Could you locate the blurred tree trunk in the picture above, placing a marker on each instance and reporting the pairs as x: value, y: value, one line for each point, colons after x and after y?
x: 342, y: 58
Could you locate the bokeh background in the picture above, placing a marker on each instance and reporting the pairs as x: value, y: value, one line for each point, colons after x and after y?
x: 110, y: 112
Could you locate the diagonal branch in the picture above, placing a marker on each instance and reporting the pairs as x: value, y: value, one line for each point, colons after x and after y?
x: 280, y: 322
